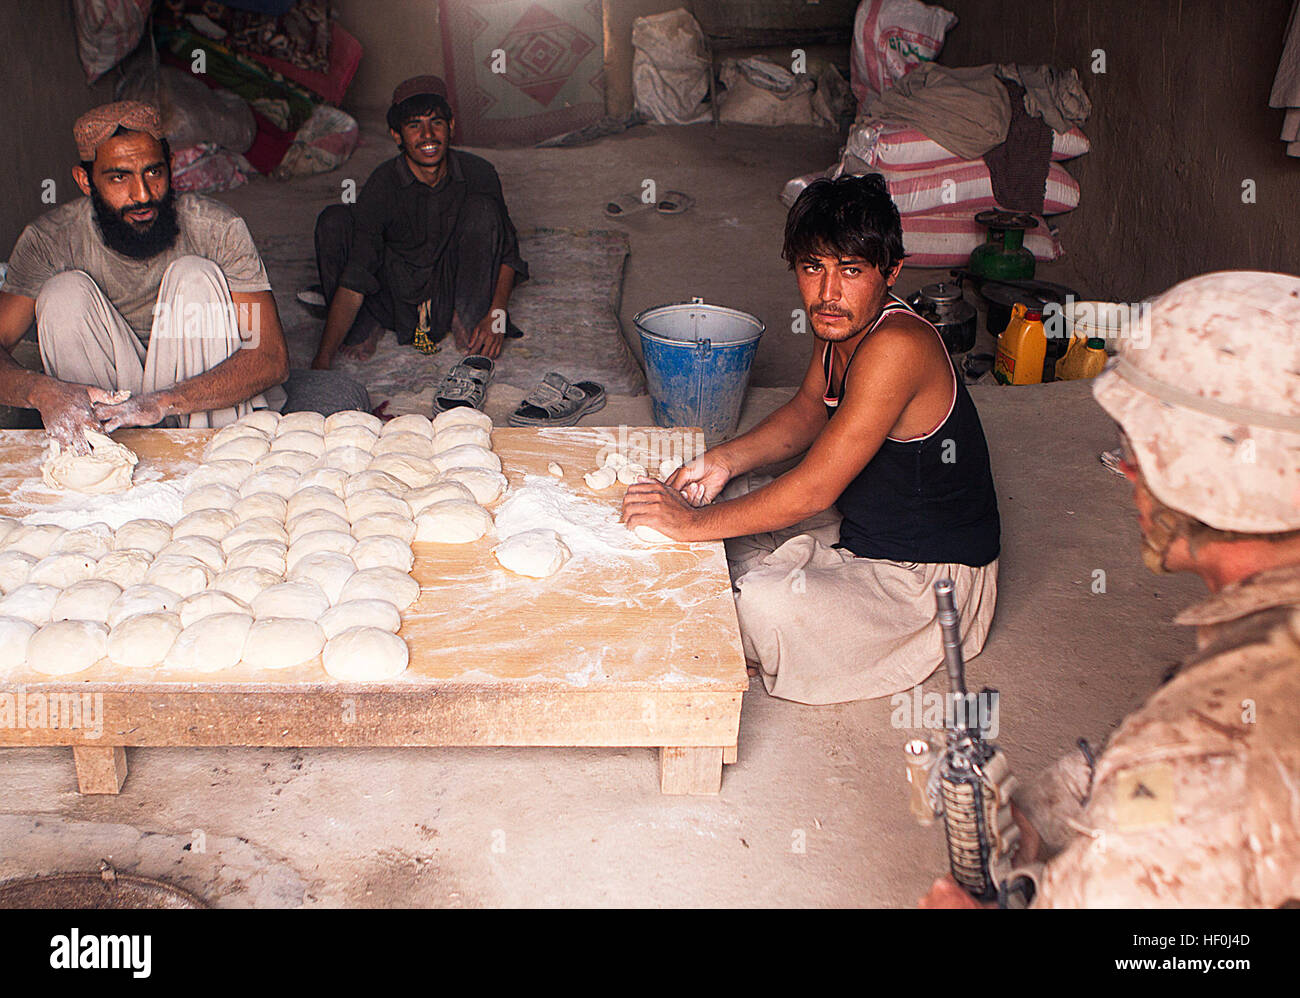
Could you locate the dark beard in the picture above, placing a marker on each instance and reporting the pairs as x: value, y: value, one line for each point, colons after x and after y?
x: 123, y: 237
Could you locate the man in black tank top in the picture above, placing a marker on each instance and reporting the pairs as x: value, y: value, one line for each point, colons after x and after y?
x: 833, y: 559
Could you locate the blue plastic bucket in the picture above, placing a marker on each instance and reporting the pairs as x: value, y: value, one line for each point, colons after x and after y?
x: 697, y: 361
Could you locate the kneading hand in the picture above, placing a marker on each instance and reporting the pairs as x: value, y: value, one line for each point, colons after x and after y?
x: 701, y: 480
x: 68, y: 413
x: 137, y: 410
x: 651, y: 504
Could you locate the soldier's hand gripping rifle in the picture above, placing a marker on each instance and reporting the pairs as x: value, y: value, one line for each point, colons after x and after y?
x: 970, y: 784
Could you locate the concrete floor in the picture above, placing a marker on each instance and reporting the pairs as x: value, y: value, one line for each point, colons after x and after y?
x: 815, y: 810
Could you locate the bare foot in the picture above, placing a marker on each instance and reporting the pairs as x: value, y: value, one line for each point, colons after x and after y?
x: 459, y: 333
x: 365, y: 349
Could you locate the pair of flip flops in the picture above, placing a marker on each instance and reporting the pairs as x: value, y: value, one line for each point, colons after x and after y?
x: 672, y: 203
x: 555, y: 401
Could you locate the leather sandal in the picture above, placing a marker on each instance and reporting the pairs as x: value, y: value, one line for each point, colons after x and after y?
x: 465, y: 384
x: 558, y: 402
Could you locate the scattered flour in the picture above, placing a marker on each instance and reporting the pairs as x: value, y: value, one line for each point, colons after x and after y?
x: 586, y: 527
x: 154, y: 500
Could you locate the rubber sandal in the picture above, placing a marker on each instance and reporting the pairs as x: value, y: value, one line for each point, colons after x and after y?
x: 465, y: 384
x: 558, y: 402
x: 674, y: 203
x: 625, y: 204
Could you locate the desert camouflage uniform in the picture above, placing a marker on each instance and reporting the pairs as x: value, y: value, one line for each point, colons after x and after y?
x: 1196, y: 800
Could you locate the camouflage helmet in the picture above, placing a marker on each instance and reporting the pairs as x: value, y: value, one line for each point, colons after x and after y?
x: 1211, y: 401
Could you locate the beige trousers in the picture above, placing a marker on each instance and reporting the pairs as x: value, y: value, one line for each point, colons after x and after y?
x: 826, y: 626
x: 84, y: 339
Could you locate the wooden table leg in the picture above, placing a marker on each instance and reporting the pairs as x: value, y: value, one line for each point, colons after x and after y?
x: 101, y: 769
x: 693, y: 770
x: 729, y: 755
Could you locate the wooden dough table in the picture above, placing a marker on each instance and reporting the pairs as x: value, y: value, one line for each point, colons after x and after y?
x: 641, y: 649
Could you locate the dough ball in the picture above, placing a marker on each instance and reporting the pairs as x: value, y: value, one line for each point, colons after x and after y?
x: 294, y: 460
x: 31, y: 601
x: 15, y: 633
x: 15, y: 568
x: 276, y: 643
x: 182, y: 574
x: 210, y: 644
x: 374, y: 501
x: 412, y: 423
x: 205, y: 549
x: 353, y: 417
x: 368, y: 481
x: 240, y: 449
x: 388, y: 584
x: 421, y: 499
x: 333, y: 541
x: 486, y: 486
x: 145, y: 535
x: 301, y: 599
x: 143, y: 641
x: 229, y: 434
x: 554, y: 469
x: 668, y: 466
x: 534, y: 553
x: 94, y: 539
x: 315, y: 499
x: 465, y: 434
x: 259, y: 528
x: 615, y: 460
x: 411, y: 469
x: 37, y: 539
x: 383, y: 551
x: 384, y: 523
x: 460, y: 416
x: 600, y: 479
x: 7, y: 526
x: 330, y: 479
x: 294, y: 422
x: 209, y: 602
x: 67, y: 646
x: 266, y: 504
x: 106, y: 469
x: 211, y: 523
x: 266, y: 420
x: 210, y: 497
x: 327, y: 569
x: 144, y: 598
x: 317, y: 519
x: 228, y: 473
x: 258, y: 554
x: 453, y: 521
x: 302, y: 441
x: 126, y: 568
x: 360, y: 613
x: 62, y: 570
x: 630, y: 472
x: 404, y: 443
x: 87, y: 600
x: 277, y: 481
x: 365, y: 654
x: 468, y: 456
x: 361, y: 437
x: 348, y: 460
x: 245, y: 584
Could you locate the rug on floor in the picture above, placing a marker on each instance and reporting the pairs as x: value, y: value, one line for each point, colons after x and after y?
x: 568, y: 311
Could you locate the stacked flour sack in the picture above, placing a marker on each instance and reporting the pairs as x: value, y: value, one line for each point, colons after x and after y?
x: 295, y: 542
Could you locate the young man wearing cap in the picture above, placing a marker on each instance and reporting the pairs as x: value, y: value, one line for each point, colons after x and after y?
x: 133, y: 288
x: 834, y: 560
x: 1194, y: 802
x: 427, y: 248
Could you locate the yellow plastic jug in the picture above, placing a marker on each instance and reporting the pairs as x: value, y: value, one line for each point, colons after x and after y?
x: 1022, y: 348
x: 1084, y: 359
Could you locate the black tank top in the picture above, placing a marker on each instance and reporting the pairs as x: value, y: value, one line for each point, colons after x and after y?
x: 929, y: 499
